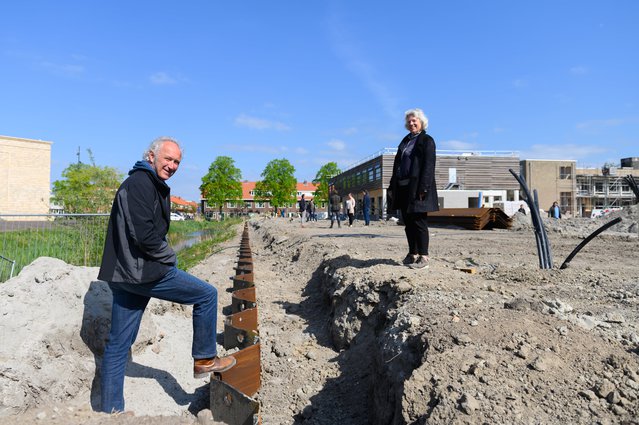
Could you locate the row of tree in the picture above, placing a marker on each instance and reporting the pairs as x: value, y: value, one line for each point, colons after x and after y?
x: 278, y: 186
x: 89, y: 188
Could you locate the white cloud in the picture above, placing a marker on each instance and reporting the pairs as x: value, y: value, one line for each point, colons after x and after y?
x: 520, y: 83
x: 599, y: 124
x: 356, y: 62
x: 563, y: 151
x: 457, y: 145
x: 578, y: 70
x: 350, y: 131
x: 253, y: 148
x: 67, y: 70
x: 392, y: 138
x: 336, y: 144
x: 162, y: 78
x: 244, y: 120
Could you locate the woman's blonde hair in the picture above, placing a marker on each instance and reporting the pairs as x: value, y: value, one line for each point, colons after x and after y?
x: 417, y: 113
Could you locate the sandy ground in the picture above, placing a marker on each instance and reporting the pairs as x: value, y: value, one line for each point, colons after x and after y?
x: 351, y: 336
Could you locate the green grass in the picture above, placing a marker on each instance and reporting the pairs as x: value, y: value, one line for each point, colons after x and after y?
x: 75, y: 241
x: 80, y: 241
x: 216, y: 233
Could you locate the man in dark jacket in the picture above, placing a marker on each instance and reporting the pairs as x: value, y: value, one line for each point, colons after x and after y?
x: 139, y: 264
x: 366, y: 207
x: 335, y: 204
x: 302, y: 204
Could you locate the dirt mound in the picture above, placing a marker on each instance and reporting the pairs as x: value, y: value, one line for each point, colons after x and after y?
x: 506, y: 344
x: 351, y: 336
x: 582, y: 227
x: 55, y: 321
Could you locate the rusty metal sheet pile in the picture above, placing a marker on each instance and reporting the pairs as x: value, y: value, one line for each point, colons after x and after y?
x: 243, y: 299
x: 232, y: 391
x: 471, y: 218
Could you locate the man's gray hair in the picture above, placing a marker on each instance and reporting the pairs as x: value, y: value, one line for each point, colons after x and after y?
x: 156, y: 145
x: 417, y: 113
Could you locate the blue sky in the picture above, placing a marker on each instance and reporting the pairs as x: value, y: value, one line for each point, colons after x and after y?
x: 318, y: 81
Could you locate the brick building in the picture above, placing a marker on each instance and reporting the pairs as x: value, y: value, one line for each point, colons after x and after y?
x: 182, y: 206
x: 249, y: 206
x: 25, y: 176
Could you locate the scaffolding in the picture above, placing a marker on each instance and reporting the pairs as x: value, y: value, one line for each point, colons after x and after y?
x: 601, y: 192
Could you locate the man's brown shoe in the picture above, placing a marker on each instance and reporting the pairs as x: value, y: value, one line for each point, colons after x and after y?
x: 204, y: 367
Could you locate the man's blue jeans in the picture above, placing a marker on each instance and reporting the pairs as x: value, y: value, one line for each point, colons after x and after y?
x: 334, y: 216
x: 129, y: 302
x: 367, y: 216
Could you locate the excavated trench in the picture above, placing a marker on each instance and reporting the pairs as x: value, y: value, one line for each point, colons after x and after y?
x: 453, y: 346
x: 364, y: 314
x: 377, y: 347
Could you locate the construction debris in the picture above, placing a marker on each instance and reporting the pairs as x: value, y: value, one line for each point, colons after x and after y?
x: 471, y: 218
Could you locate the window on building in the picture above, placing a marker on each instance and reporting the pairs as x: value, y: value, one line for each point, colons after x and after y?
x: 248, y: 204
x: 584, y: 188
x: 565, y: 201
x: 565, y: 173
x: 613, y: 188
x: 230, y: 204
x: 260, y: 205
x: 252, y: 192
x: 378, y: 172
x: 599, y: 187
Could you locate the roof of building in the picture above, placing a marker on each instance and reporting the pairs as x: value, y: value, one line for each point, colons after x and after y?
x: 247, y: 187
x: 304, y: 187
x: 180, y: 201
x: 439, y: 152
x: 22, y: 139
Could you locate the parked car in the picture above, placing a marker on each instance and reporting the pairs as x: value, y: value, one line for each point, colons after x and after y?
x: 176, y: 217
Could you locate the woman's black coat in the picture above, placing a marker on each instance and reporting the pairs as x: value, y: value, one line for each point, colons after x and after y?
x: 422, y: 176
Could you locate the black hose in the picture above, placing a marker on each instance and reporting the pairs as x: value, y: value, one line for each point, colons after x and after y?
x: 536, y: 219
x: 588, y: 239
x: 633, y: 185
x: 544, y: 236
x: 538, y: 226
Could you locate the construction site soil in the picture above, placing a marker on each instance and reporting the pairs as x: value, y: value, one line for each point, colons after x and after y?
x: 351, y: 336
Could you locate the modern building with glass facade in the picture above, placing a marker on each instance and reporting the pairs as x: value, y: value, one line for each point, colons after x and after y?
x: 464, y: 179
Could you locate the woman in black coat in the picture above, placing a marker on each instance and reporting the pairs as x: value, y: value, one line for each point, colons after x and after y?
x: 412, y: 187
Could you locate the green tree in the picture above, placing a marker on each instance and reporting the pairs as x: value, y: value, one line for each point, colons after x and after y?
x: 279, y: 185
x: 87, y: 188
x: 222, y: 183
x: 323, y: 176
